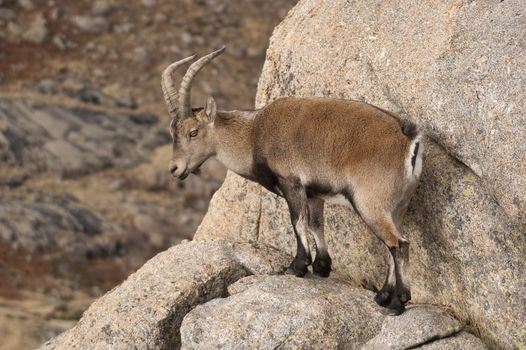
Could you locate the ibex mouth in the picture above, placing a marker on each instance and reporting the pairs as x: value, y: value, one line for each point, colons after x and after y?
x: 187, y: 172
x: 184, y: 175
x: 197, y: 169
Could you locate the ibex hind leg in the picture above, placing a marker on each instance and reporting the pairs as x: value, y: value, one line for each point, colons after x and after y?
x: 395, y: 292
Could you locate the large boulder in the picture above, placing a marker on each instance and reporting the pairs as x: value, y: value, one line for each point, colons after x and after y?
x: 233, y: 295
x: 456, y: 67
x: 146, y: 310
x: 458, y: 70
x: 285, y: 312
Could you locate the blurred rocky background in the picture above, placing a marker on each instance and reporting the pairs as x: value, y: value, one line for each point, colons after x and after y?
x: 85, y: 197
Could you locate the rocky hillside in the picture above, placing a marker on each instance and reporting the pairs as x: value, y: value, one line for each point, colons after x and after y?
x: 85, y: 197
x: 456, y: 69
x: 67, y: 48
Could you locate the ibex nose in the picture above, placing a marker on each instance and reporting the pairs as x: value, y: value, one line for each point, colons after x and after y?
x: 172, y: 167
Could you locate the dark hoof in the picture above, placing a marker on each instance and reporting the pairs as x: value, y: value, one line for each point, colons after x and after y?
x: 396, y: 306
x: 405, y: 296
x: 297, y: 268
x: 396, y: 303
x: 383, y: 297
x: 322, y: 267
x: 291, y: 271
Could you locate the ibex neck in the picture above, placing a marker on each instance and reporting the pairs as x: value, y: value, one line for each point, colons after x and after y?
x: 234, y: 140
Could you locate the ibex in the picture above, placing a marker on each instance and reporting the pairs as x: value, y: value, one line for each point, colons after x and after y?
x: 309, y: 150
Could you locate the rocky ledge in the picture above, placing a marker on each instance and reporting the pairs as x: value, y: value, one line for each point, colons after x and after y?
x: 226, y: 295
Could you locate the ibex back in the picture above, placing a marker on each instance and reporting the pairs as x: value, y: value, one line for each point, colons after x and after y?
x: 309, y: 150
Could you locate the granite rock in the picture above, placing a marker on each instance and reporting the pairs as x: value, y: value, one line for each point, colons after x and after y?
x: 463, y: 81
x: 286, y: 312
x: 419, y: 324
x: 146, y: 310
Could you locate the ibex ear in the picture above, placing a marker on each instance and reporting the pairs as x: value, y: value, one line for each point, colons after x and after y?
x: 211, y: 109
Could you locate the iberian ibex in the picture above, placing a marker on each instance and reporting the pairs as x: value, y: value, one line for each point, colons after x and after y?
x: 309, y: 150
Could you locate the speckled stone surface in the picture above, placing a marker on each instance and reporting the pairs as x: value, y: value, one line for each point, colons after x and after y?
x: 462, y: 340
x: 146, y: 310
x: 419, y: 324
x: 284, y: 312
x: 463, y: 80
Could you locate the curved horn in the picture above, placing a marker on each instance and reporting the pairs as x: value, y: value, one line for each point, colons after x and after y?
x: 167, y: 84
x: 185, y: 107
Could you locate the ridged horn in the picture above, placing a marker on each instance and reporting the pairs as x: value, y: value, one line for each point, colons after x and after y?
x: 167, y: 84
x: 185, y: 106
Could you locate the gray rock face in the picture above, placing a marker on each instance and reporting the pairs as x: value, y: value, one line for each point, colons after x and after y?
x: 417, y: 325
x: 52, y: 223
x: 83, y: 90
x: 460, y: 340
x: 286, y: 312
x: 145, y: 311
x: 464, y: 82
x: 7, y: 14
x: 69, y: 141
x: 39, y: 141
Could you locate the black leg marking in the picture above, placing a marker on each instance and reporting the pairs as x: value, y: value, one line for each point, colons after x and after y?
x: 400, y: 294
x: 384, y: 295
x: 404, y: 291
x: 415, y: 153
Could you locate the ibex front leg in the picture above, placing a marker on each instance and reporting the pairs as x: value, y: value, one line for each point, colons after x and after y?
x: 296, y: 198
x: 322, y: 263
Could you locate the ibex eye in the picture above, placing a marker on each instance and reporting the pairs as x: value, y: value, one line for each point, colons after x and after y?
x: 193, y: 133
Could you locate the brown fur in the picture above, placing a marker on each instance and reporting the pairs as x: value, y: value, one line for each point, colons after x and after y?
x: 337, y: 136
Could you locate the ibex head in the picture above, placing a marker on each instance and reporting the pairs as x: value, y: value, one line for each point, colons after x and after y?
x: 190, y: 128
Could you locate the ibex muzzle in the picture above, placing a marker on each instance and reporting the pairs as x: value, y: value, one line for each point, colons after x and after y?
x: 309, y: 150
